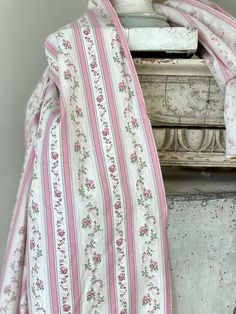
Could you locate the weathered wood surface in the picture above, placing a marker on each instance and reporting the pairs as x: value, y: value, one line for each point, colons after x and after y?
x: 192, y: 147
x: 186, y: 109
x: 166, y: 39
x: 180, y: 92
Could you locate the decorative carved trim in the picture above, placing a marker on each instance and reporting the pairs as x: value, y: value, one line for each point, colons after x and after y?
x: 190, y: 140
x: 192, y: 147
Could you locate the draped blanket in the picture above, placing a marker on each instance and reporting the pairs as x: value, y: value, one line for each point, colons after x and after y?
x: 88, y: 233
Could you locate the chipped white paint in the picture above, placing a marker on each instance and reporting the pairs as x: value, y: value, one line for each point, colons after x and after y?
x: 192, y: 147
x: 167, y: 39
x: 132, y: 6
x: 138, y: 13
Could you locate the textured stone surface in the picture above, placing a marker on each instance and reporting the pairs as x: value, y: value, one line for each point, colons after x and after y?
x: 202, y: 241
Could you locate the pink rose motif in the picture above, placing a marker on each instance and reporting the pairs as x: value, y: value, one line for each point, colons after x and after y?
x: 66, y: 44
x: 90, y: 184
x: 133, y: 157
x: 147, y: 299
x: 121, y: 277
x: 97, y: 258
x: 87, y: 31
x: 7, y: 289
x: 105, y: 132
x: 86, y: 222
x: 67, y: 75
x: 63, y: 270
x: 35, y: 207
x: 100, y: 98
x: 119, y: 242
x: 54, y: 155
x: 79, y: 112
x: 147, y: 194
x: 143, y: 231
x: 117, y: 205
x: 112, y: 168
x: 153, y: 265
x: 77, y: 146
x: 91, y: 295
x: 134, y: 122
x: 66, y: 307
x: 39, y: 284
x: 57, y: 193
x: 122, y: 52
x: 32, y: 244
x: 61, y: 233
x: 122, y: 86
x: 93, y: 65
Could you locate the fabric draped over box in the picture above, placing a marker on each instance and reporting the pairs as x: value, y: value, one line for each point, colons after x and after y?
x: 88, y: 233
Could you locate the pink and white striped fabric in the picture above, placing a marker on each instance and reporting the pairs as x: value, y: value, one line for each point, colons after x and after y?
x: 88, y: 233
x: 217, y: 35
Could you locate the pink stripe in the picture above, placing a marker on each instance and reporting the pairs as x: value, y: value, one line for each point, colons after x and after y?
x: 220, y: 15
x: 128, y: 205
x: 152, y: 147
x: 50, y: 48
x: 22, y: 192
x: 101, y: 168
x: 49, y: 219
x: 53, y: 52
x: 69, y: 204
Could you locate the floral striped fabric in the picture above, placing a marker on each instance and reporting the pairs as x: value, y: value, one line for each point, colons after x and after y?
x: 217, y: 35
x: 88, y: 233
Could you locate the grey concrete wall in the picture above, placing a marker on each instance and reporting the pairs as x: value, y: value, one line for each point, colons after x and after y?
x: 202, y: 242
x: 228, y: 5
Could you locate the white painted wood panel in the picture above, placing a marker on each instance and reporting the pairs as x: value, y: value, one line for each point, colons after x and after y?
x: 166, y: 39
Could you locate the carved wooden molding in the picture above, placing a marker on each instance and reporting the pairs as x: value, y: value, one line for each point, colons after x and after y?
x: 190, y: 140
x: 192, y: 147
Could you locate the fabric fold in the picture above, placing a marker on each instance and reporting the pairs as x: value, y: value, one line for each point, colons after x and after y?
x: 95, y: 216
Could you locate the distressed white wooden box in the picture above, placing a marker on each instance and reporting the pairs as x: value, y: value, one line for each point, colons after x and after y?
x: 186, y: 109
